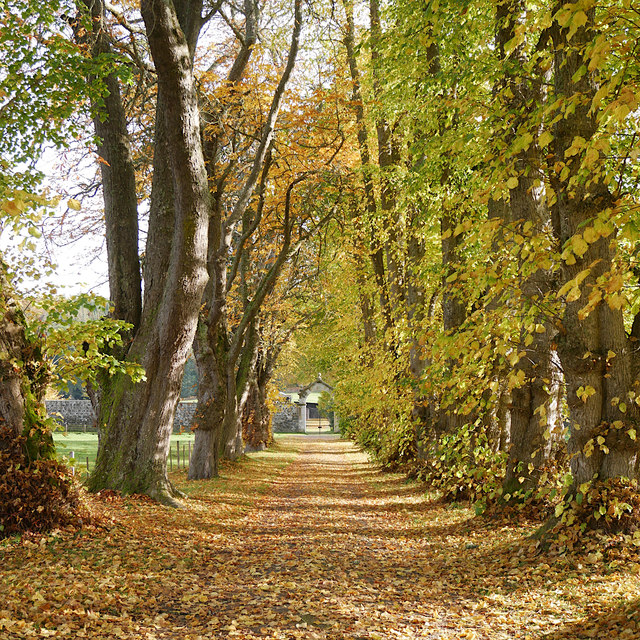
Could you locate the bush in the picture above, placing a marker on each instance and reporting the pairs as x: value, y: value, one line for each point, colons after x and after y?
x: 612, y: 505
x: 462, y: 466
x: 35, y: 496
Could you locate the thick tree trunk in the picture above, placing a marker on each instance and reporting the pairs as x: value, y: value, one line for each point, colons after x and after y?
x: 530, y: 408
x: 11, y: 350
x: 138, y: 418
x: 256, y: 418
x: 119, y: 193
x: 23, y: 380
x: 454, y: 312
x: 210, y: 410
x: 596, y: 354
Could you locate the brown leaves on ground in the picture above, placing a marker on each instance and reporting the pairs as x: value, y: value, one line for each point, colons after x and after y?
x: 308, y: 541
x: 35, y: 495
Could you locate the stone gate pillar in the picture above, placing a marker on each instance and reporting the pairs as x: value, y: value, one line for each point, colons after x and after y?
x: 302, y: 415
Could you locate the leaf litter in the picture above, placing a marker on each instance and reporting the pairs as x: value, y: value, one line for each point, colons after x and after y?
x: 309, y: 541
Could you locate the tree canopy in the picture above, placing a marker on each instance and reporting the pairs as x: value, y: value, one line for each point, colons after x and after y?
x: 435, y: 205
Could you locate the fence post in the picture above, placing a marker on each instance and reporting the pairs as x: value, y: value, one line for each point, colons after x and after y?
x: 178, y: 450
x: 72, y: 456
x: 87, y: 464
x: 189, y: 451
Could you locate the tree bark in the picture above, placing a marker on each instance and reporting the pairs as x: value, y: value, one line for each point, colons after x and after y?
x: 596, y: 354
x: 24, y: 377
x: 137, y: 419
x: 233, y: 348
x: 256, y: 416
x: 373, y: 247
x: 118, y: 185
x: 530, y: 429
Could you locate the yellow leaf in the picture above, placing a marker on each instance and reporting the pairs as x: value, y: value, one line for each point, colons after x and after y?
x: 591, y: 235
x: 74, y: 204
x: 564, y: 289
x: 579, y: 19
x: 591, y: 157
x: 615, y: 301
x: 576, y: 144
x: 512, y: 182
x: 11, y: 208
x: 580, y: 247
x: 574, y: 294
x: 621, y: 112
x: 615, y: 283
x: 545, y: 138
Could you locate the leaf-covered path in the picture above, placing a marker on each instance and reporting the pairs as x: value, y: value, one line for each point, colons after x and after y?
x: 308, y: 541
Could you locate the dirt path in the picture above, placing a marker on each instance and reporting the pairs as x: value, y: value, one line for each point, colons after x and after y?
x: 335, y: 550
x: 307, y: 541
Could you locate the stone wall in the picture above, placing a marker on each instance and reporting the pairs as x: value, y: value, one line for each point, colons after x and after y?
x: 285, y: 420
x: 78, y: 414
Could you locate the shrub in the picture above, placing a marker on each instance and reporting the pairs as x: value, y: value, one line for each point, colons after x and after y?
x: 463, y: 466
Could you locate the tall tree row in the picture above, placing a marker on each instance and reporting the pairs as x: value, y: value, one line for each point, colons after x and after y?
x: 507, y: 204
x: 216, y: 241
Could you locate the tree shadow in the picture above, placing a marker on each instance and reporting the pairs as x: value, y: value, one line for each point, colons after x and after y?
x: 620, y: 621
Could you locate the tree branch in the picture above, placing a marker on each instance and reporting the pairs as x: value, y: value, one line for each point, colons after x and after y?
x: 269, y: 127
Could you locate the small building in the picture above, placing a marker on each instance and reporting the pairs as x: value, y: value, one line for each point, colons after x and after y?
x: 299, y: 411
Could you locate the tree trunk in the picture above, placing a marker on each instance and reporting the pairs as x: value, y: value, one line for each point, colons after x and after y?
x: 12, y: 340
x: 256, y: 418
x: 234, y: 349
x: 374, y: 250
x: 119, y: 193
x: 137, y: 419
x: 530, y: 433
x: 596, y: 354
x: 210, y: 410
x: 23, y: 381
x: 118, y: 185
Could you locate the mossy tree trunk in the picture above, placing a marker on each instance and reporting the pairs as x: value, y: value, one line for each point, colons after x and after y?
x: 24, y: 376
x: 598, y: 357
x: 136, y: 420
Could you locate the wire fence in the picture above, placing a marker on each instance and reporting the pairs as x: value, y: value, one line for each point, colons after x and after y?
x: 179, y: 456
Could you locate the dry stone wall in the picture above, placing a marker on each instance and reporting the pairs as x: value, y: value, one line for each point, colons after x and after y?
x: 286, y: 419
x: 79, y: 415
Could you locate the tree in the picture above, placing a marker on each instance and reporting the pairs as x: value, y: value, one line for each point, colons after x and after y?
x: 136, y: 419
x: 250, y: 246
x: 598, y: 356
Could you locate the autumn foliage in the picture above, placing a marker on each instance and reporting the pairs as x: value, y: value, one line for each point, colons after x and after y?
x: 35, y: 496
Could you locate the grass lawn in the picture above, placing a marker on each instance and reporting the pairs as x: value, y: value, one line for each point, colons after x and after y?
x: 85, y: 446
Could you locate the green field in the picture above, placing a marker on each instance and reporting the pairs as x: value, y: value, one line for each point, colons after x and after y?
x: 85, y: 446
